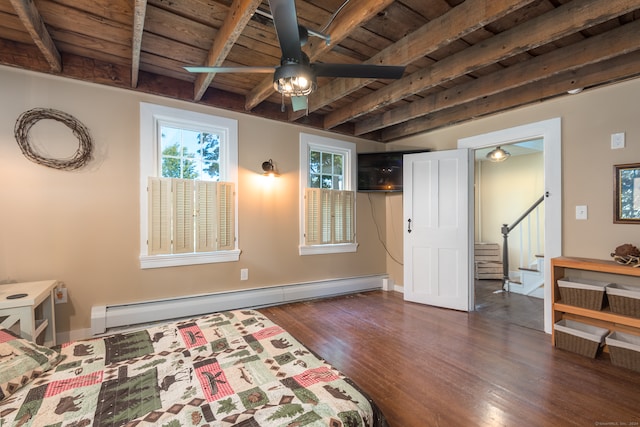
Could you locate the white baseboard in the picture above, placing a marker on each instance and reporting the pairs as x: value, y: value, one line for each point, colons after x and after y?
x: 105, y: 318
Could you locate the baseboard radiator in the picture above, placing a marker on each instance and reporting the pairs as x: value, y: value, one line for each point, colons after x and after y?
x: 105, y: 317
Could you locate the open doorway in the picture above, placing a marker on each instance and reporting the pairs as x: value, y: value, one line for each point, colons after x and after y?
x: 550, y: 131
x: 509, y: 214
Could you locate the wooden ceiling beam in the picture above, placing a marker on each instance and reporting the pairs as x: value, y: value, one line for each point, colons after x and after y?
x: 34, y: 25
x: 560, y: 22
x: 613, y: 70
x: 139, y: 12
x: 239, y: 15
x: 436, y: 34
x: 616, y: 42
x: 355, y: 13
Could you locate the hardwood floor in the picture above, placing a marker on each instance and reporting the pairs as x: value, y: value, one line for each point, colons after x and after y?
x: 426, y: 366
x: 509, y: 307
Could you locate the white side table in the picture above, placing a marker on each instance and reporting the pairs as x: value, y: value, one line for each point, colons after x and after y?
x: 30, y: 304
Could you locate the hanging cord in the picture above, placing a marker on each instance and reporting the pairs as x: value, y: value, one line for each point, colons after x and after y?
x: 334, y: 16
x: 375, y: 221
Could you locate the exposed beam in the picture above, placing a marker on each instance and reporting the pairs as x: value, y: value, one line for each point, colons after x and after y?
x: 560, y: 22
x: 239, y: 15
x: 616, y: 69
x: 616, y: 42
x: 139, y: 12
x: 34, y: 25
x: 355, y: 13
x: 436, y: 34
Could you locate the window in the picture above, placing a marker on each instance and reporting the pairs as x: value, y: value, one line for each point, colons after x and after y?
x: 188, y: 175
x: 327, y: 177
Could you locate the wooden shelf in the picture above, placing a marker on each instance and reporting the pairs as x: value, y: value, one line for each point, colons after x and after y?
x: 598, y: 265
x: 605, y: 317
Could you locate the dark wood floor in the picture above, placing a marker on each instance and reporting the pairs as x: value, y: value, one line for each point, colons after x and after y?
x: 509, y: 307
x: 426, y: 366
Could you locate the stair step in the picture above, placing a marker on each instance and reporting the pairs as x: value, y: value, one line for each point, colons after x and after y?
x: 535, y: 270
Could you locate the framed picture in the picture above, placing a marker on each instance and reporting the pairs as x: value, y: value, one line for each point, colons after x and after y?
x: 626, y: 196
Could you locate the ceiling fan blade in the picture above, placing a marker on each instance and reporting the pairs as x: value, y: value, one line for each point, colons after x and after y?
x: 286, y: 22
x: 363, y: 71
x: 230, y: 69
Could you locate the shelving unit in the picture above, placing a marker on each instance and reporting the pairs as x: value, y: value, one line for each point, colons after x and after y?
x: 602, y: 318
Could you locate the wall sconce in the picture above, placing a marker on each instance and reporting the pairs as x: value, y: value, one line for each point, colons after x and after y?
x: 269, y: 169
x: 498, y: 155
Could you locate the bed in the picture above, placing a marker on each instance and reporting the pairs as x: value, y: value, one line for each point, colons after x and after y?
x: 234, y: 368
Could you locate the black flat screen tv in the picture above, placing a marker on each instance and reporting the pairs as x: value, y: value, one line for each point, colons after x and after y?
x: 381, y: 172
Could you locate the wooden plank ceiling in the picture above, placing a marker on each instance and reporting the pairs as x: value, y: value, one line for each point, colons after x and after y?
x: 464, y: 59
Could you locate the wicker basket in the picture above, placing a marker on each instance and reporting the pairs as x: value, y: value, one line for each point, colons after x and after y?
x: 579, y: 338
x: 624, y: 299
x: 582, y: 293
x: 624, y: 350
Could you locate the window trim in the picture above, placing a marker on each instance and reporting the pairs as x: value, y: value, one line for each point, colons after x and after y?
x: 150, y: 116
x: 348, y: 149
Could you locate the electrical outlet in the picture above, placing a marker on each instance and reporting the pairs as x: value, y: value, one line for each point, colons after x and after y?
x: 244, y: 274
x: 60, y: 294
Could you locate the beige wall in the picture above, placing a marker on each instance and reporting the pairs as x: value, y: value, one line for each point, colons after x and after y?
x: 588, y: 120
x: 82, y: 227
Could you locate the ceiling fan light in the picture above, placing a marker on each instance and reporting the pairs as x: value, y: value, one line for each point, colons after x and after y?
x: 294, y: 80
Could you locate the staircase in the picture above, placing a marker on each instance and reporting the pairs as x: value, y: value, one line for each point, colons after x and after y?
x: 531, y: 280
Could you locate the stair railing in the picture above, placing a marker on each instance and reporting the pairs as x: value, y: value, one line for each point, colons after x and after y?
x: 506, y: 229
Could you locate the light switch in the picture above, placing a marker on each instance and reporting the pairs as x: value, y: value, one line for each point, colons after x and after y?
x: 581, y: 212
x: 617, y: 140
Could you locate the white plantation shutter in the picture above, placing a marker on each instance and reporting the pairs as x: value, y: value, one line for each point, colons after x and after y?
x: 159, y: 235
x: 187, y: 216
x: 328, y: 216
x: 205, y: 216
x: 342, y: 203
x: 226, y: 215
x: 312, y: 225
x: 183, y: 221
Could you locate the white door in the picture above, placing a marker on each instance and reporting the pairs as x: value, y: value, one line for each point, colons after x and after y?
x: 436, y: 206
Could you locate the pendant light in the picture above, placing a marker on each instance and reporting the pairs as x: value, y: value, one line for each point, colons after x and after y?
x: 498, y: 155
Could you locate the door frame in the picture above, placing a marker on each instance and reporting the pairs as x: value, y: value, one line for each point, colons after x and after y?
x: 551, y: 132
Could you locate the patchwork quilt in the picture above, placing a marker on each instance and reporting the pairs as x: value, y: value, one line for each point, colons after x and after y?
x: 232, y: 368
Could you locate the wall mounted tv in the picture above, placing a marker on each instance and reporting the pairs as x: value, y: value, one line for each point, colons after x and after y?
x: 381, y: 172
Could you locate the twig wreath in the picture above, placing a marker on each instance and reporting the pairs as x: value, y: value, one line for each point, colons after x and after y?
x: 29, y: 118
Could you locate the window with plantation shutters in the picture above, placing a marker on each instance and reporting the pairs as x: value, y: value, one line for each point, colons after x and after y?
x: 188, y: 176
x: 327, y: 168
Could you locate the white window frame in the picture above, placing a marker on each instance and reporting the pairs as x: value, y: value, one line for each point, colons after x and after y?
x: 150, y: 117
x: 309, y: 142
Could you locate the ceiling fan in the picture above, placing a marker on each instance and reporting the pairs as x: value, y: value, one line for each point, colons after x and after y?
x: 295, y: 77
